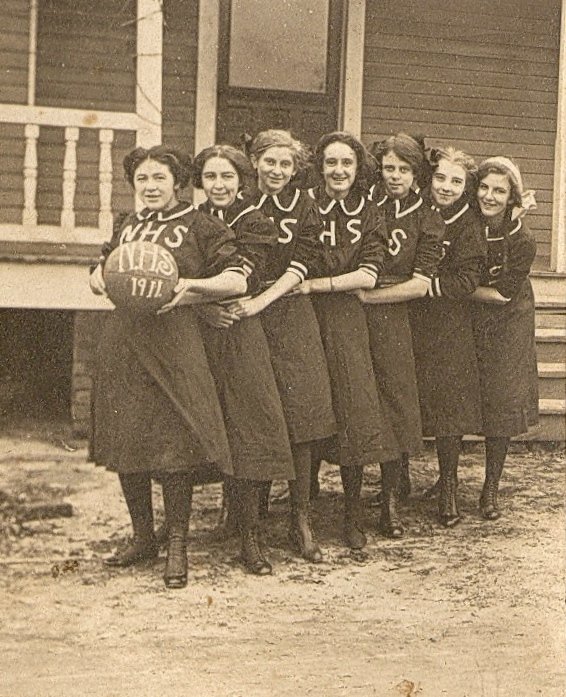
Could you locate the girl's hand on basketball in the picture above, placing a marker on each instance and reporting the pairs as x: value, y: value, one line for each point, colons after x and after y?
x: 217, y: 316
x: 96, y: 281
x: 181, y: 289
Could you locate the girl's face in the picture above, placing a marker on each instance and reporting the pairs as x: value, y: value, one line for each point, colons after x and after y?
x: 220, y: 182
x: 155, y: 186
x: 398, y: 175
x: 494, y: 194
x: 448, y: 183
x: 275, y: 168
x: 339, y: 167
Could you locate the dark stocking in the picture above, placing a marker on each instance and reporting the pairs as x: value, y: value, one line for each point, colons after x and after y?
x: 448, y: 449
x: 136, y: 488
x: 495, y: 455
x: 352, y: 482
x: 300, y: 531
x: 177, y: 499
x: 246, y: 494
x: 390, y: 522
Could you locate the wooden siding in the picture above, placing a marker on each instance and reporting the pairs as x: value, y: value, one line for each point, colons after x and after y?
x: 14, y: 42
x: 482, y: 76
x: 85, y: 59
x: 180, y: 38
x: 86, y: 54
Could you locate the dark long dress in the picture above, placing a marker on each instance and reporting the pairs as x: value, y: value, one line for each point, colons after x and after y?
x: 415, y: 234
x: 155, y: 407
x: 240, y: 362
x: 354, y: 238
x: 290, y: 323
x: 505, y: 334
x: 443, y: 340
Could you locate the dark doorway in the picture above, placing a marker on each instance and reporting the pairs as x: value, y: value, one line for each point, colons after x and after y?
x: 36, y: 359
x: 279, y: 67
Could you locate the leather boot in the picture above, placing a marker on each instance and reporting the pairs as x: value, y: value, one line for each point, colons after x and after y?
x: 354, y: 536
x: 137, y: 493
x: 389, y: 522
x: 495, y: 455
x: 252, y: 556
x: 433, y: 491
x: 300, y: 531
x: 448, y: 513
x: 177, y: 498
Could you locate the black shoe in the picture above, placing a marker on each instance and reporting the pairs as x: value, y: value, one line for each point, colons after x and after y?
x: 252, y: 556
x: 302, y: 538
x: 448, y: 514
x: 488, y: 502
x: 433, y: 491
x: 139, y: 550
x: 175, y: 575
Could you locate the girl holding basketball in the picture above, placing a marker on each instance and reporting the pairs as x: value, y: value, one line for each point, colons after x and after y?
x: 155, y: 411
x: 289, y: 322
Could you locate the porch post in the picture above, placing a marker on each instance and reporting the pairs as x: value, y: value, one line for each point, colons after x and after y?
x: 353, y: 67
x: 207, y: 78
x: 558, y: 241
x: 149, y: 72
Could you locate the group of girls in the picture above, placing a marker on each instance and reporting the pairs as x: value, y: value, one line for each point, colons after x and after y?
x: 337, y: 323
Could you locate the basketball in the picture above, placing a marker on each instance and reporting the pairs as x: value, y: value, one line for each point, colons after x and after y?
x: 140, y: 276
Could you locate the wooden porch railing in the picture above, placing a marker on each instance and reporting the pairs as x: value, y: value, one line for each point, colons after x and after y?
x: 33, y: 118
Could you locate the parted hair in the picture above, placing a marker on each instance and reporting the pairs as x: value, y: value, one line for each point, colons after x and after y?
x: 407, y: 148
x: 457, y: 157
x: 274, y: 137
x: 234, y: 156
x: 366, y: 164
x: 178, y: 163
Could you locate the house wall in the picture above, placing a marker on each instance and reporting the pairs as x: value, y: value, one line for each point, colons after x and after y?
x: 179, y: 94
x: 478, y: 74
x: 180, y: 44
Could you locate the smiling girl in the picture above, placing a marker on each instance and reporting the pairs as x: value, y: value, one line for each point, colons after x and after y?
x: 353, y: 248
x: 289, y: 322
x: 443, y: 341
x: 238, y: 353
x: 503, y: 320
x: 415, y: 235
x: 155, y: 410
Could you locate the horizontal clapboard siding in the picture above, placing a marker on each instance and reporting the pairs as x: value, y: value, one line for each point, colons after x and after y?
x: 86, y: 54
x: 14, y: 43
x: 85, y: 60
x: 482, y: 76
x: 180, y: 39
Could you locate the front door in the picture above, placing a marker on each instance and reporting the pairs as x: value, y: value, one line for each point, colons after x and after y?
x: 279, y: 67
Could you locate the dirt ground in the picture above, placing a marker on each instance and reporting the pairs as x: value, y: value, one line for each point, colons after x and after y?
x: 477, y: 611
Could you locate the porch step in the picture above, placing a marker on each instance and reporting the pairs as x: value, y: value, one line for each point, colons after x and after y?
x: 552, y: 380
x: 551, y: 312
x: 551, y: 344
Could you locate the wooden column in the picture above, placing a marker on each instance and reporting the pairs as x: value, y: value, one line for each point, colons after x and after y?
x: 353, y: 67
x: 558, y: 240
x: 149, y: 73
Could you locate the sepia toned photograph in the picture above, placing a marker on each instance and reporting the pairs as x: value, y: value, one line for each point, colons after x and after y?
x: 282, y: 348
